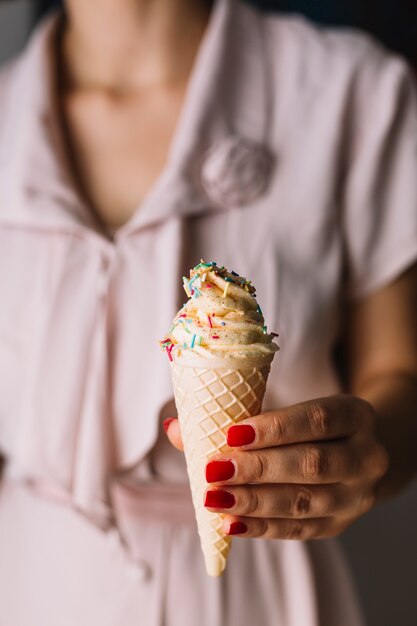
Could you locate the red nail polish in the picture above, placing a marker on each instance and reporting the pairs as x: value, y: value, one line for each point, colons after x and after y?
x: 237, y: 528
x: 217, y: 471
x: 167, y: 422
x: 219, y: 499
x: 240, y: 435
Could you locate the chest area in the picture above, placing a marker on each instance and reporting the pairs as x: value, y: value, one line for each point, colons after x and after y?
x: 117, y: 147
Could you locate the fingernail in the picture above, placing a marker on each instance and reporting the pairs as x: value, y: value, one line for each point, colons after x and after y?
x: 219, y: 499
x: 217, y: 471
x: 167, y: 422
x: 237, y: 528
x: 240, y: 435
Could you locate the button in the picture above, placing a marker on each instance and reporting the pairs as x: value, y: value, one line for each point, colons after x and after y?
x: 140, y: 571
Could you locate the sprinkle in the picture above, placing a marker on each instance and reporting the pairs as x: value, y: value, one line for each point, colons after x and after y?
x: 274, y: 335
x: 193, y: 342
x: 234, y: 273
x: 192, y: 292
x: 264, y: 330
x: 223, y: 323
x: 225, y: 290
x: 215, y: 337
x: 209, y: 286
x: 183, y: 315
x: 200, y: 340
x: 209, y: 321
x: 259, y: 310
x: 227, y: 279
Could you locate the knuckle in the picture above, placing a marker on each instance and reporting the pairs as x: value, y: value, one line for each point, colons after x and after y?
x: 251, y: 498
x: 263, y: 529
x: 320, y: 419
x: 302, y: 503
x: 295, y: 530
x: 315, y: 464
x: 276, y: 428
x: 260, y: 467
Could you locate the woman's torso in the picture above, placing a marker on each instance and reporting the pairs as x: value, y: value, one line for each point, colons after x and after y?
x: 252, y: 181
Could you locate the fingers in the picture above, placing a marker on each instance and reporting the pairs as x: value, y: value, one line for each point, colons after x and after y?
x: 315, y: 463
x: 173, y: 431
x: 301, y: 530
x: 326, y: 418
x: 341, y: 461
x: 281, y: 501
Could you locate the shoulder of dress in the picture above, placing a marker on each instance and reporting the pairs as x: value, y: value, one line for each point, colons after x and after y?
x: 323, y: 51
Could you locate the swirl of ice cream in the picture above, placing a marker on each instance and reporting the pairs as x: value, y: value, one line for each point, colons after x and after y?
x: 221, y: 318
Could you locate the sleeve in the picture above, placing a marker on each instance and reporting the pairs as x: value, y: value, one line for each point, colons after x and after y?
x: 379, y: 196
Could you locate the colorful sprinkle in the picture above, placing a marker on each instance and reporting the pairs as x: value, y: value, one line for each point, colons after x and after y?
x: 215, y: 337
x: 209, y: 321
x: 193, y: 342
x: 225, y: 290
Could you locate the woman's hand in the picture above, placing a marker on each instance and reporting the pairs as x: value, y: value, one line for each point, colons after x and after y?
x: 304, y: 472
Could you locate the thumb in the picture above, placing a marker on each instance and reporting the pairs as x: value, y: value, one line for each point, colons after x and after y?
x: 173, y: 431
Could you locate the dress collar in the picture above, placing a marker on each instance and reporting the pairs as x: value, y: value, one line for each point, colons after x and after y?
x: 218, y: 156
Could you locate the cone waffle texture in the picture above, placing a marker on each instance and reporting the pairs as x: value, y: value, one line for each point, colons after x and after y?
x: 210, y: 397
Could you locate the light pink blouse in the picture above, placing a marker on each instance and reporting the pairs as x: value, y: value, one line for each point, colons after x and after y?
x: 295, y: 163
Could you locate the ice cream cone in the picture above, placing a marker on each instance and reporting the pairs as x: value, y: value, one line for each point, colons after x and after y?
x: 210, y: 396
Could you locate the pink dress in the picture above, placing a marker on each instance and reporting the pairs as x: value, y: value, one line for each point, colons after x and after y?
x: 295, y: 163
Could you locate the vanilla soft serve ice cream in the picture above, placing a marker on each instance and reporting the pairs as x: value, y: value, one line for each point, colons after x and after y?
x: 221, y: 319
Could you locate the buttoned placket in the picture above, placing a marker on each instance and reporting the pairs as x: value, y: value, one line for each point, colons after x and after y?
x: 139, y: 569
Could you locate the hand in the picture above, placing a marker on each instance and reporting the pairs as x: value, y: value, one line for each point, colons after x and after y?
x: 308, y: 473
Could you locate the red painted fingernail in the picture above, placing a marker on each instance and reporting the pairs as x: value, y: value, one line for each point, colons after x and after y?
x: 241, y: 435
x: 237, y: 528
x: 219, y: 499
x: 167, y: 422
x: 219, y: 470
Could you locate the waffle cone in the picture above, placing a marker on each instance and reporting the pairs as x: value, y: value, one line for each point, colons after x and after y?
x: 210, y: 396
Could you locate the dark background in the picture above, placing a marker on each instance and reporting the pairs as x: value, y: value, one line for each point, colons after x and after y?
x: 382, y: 546
x: 392, y: 21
